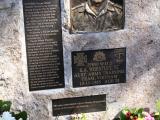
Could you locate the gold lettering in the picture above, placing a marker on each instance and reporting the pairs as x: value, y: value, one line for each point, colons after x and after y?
x: 80, y: 75
x: 94, y: 74
x: 83, y: 70
x: 101, y: 68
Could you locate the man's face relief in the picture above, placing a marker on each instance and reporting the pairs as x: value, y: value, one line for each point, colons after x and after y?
x: 97, y: 3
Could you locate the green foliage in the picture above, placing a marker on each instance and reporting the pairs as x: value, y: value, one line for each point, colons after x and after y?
x: 83, y: 117
x: 131, y: 113
x: 122, y: 115
x: 22, y: 115
x: 158, y: 108
x: 158, y: 105
x: 5, y: 106
x: 139, y: 112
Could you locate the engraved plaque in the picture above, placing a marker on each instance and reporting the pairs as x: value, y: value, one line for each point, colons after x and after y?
x: 44, y: 44
x: 85, y: 104
x: 97, y: 15
x: 99, y: 67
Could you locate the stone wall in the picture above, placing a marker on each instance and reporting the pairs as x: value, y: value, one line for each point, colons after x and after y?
x: 141, y: 37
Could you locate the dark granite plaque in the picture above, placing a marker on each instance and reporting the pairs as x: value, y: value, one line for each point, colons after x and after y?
x: 99, y: 67
x: 44, y: 44
x: 85, y: 104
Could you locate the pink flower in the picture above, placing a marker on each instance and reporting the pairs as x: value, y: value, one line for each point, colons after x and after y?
x: 149, y: 117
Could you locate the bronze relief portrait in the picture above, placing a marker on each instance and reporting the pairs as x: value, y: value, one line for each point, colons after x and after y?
x: 96, y: 15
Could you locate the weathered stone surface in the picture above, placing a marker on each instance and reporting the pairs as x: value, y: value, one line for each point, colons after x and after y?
x: 6, y: 4
x: 141, y: 36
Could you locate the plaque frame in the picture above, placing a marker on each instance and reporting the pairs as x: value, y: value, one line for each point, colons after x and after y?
x: 59, y: 44
x: 71, y: 31
x: 68, y: 106
x: 83, y: 69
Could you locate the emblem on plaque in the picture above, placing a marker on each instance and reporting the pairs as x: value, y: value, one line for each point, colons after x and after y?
x: 119, y: 57
x: 99, y: 56
x: 80, y: 59
x: 103, y: 66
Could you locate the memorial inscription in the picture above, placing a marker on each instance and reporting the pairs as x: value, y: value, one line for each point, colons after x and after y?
x: 84, y: 104
x: 98, y: 67
x: 43, y: 34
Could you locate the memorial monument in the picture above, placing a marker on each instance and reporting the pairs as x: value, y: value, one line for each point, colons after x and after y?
x: 50, y: 73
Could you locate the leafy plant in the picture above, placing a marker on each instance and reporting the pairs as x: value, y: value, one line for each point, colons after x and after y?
x: 5, y: 107
x: 22, y: 115
x: 139, y: 114
x: 131, y: 114
x: 158, y: 105
x: 81, y: 116
x: 158, y: 109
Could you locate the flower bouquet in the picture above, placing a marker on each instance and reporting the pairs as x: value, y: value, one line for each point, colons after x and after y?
x: 139, y: 114
x: 81, y: 116
x: 5, y: 113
